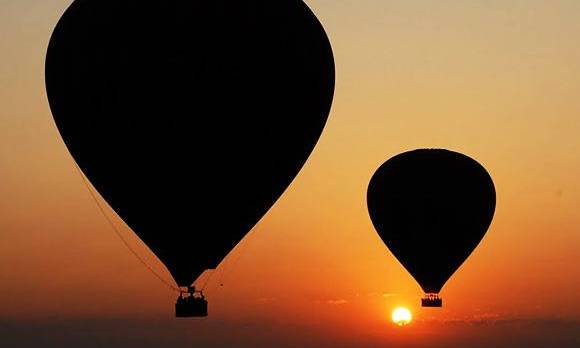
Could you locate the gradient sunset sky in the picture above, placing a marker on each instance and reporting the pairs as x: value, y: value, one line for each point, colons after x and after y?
x: 498, y: 80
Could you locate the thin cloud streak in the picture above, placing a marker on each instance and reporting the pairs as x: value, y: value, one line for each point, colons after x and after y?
x: 129, y: 333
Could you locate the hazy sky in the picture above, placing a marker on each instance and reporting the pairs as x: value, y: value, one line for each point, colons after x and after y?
x: 498, y: 80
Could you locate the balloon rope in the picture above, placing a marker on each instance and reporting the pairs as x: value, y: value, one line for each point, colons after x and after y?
x: 118, y: 233
x: 212, y: 272
x: 228, y: 268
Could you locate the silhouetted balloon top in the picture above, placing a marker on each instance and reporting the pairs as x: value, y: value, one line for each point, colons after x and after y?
x: 190, y: 117
x: 431, y: 207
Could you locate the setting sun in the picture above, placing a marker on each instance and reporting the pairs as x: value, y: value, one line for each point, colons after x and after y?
x: 401, y: 316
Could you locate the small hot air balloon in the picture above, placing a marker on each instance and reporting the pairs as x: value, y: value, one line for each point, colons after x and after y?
x: 431, y: 207
x: 190, y: 117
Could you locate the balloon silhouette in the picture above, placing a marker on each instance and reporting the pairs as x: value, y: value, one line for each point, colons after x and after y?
x: 431, y: 208
x: 190, y: 118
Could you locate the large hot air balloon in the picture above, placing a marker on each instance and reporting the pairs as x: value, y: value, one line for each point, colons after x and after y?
x: 431, y: 207
x: 190, y: 117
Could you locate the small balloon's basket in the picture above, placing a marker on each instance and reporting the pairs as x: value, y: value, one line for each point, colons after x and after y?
x: 191, y: 304
x: 432, y: 300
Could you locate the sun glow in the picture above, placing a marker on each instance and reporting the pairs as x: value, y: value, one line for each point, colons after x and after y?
x: 401, y: 316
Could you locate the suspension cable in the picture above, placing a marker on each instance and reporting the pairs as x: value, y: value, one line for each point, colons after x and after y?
x: 229, y: 267
x: 118, y: 233
x: 211, y: 272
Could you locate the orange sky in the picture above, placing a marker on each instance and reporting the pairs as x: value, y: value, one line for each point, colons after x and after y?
x: 497, y: 80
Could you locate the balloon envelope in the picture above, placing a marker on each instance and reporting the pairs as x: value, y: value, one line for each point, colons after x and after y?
x: 190, y: 117
x: 431, y: 208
